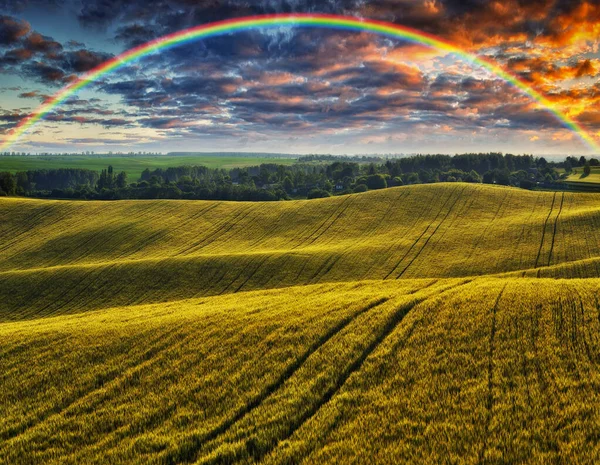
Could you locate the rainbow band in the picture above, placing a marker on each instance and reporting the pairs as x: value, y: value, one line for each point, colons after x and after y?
x: 279, y: 20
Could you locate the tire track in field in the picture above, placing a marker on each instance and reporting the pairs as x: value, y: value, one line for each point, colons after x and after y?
x: 335, y: 215
x: 340, y: 211
x: 223, y: 228
x: 28, y: 227
x: 460, y: 211
x: 23, y: 228
x: 37, y: 290
x: 331, y: 261
x: 537, y: 259
x: 431, y: 235
x: 562, y: 201
x: 398, y: 344
x: 61, y: 259
x: 270, y: 231
x: 102, y: 232
x: 487, y: 227
x: 389, y: 327
x: 168, y: 231
x: 92, y: 278
x: 290, y: 256
x: 251, y: 261
x: 252, y: 213
x: 490, y: 381
x: 262, y: 262
x: 158, y: 344
x: 420, y: 236
x: 188, y: 450
x: 372, y: 231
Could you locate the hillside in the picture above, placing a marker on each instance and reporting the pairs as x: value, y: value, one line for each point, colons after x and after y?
x: 411, y: 325
x: 104, y: 254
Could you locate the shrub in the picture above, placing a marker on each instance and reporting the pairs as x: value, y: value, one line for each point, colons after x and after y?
x: 318, y: 194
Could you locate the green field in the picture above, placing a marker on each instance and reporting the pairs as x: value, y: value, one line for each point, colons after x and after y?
x: 133, y: 166
x: 441, y: 323
x: 578, y: 177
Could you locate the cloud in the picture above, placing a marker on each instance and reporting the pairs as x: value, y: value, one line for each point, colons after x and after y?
x: 306, y: 81
x: 41, y: 58
x: 80, y: 61
x: 12, y: 30
x: 35, y: 42
x: 43, y: 72
x: 32, y: 94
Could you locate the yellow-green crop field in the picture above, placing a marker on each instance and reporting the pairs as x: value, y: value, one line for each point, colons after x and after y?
x: 444, y: 323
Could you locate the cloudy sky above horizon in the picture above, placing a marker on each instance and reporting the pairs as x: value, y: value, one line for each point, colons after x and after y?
x: 302, y: 90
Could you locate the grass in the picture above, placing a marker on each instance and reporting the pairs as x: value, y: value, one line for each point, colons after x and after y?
x: 133, y: 166
x: 578, y: 177
x: 445, y: 323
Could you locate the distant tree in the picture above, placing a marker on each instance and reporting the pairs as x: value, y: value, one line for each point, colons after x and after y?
x: 488, y: 177
x: 376, y: 181
x: 288, y: 185
x: 587, y: 169
x: 473, y: 176
x: 582, y: 161
x: 594, y: 162
x: 568, y: 167
x: 360, y: 188
x: 502, y: 177
x: 413, y: 178
x: 8, y: 183
x: 526, y: 184
x: 318, y: 194
x: 121, y: 181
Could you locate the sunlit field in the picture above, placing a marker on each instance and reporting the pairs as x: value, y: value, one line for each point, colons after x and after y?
x: 452, y: 322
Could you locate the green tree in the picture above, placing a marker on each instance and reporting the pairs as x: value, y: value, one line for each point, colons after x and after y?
x: 318, y: 194
x: 376, y: 181
x: 121, y: 180
x: 8, y: 183
x: 288, y: 185
x: 587, y: 169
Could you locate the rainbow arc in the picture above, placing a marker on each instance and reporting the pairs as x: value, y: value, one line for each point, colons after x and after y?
x: 292, y: 20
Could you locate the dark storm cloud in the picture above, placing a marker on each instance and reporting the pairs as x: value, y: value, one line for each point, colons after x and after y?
x: 12, y: 30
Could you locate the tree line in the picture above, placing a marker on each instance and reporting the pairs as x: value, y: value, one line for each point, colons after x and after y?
x: 305, y: 179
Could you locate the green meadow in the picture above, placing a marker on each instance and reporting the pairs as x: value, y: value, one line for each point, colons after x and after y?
x: 132, y: 165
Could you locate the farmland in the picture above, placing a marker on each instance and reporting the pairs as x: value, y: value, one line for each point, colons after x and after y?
x: 454, y: 323
x: 133, y: 165
x: 578, y: 176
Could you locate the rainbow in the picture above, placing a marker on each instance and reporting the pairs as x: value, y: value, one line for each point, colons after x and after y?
x: 293, y: 20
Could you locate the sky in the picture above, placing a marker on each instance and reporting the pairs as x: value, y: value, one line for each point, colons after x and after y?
x: 302, y: 90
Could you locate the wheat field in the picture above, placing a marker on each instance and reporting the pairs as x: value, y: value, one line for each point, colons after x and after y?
x: 445, y: 323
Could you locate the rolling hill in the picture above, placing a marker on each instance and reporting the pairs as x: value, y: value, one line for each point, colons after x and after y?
x: 445, y: 323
